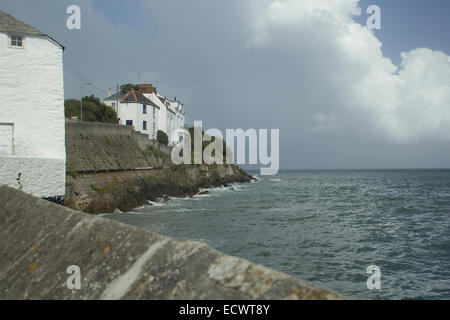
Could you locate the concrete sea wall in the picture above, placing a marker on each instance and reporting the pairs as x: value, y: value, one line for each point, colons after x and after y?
x: 40, y: 240
x: 99, y: 146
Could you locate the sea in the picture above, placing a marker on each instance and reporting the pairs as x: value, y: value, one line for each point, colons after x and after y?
x: 327, y: 227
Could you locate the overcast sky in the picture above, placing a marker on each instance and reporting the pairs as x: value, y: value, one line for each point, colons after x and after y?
x: 341, y: 95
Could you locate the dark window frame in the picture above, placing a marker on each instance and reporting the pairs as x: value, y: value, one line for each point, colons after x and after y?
x: 16, y: 41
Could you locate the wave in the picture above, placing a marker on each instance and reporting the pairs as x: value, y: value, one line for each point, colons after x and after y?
x: 156, y: 204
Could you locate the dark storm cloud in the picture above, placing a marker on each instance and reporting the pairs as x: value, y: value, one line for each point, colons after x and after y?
x: 234, y: 65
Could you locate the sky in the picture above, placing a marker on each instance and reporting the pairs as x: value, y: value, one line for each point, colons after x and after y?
x: 342, y: 96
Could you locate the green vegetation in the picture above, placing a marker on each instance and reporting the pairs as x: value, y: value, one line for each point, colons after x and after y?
x: 151, y: 151
x: 162, y: 137
x: 155, y: 179
x: 93, y: 110
x: 73, y: 174
x: 110, y: 188
x: 205, y: 144
x: 125, y: 88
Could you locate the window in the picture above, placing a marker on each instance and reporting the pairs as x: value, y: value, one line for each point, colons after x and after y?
x: 114, y: 105
x: 129, y: 122
x: 144, y: 109
x: 144, y: 125
x: 16, y: 41
x: 154, y: 111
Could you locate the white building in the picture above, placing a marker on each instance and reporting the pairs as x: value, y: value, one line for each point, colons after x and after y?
x: 32, y: 127
x: 134, y: 109
x: 178, y: 117
x: 169, y: 114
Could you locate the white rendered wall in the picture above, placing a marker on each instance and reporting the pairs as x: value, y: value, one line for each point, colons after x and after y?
x: 134, y: 112
x: 161, y: 112
x: 41, y: 177
x: 32, y: 87
x: 178, y: 119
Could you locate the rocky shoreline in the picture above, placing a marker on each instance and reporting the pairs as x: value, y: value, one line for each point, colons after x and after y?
x: 106, y: 192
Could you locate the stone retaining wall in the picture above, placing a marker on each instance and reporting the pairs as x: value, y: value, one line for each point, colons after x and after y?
x: 92, y: 146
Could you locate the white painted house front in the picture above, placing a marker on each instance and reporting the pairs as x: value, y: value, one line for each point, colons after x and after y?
x: 32, y: 127
x: 169, y: 115
x: 178, y: 118
x: 134, y: 109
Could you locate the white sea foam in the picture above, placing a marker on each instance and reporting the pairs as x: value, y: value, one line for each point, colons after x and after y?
x: 156, y: 204
x: 136, y: 213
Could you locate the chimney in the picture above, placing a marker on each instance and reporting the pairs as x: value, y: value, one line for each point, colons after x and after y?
x: 146, y: 88
x: 109, y: 92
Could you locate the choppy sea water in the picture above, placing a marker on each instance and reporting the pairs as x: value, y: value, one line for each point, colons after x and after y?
x: 326, y: 227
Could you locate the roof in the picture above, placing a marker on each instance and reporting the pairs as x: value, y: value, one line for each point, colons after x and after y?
x: 163, y: 100
x: 9, y: 24
x: 135, y: 97
x: 115, y: 97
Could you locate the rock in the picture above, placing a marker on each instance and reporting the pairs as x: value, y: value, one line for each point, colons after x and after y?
x: 203, y: 192
x: 129, y: 190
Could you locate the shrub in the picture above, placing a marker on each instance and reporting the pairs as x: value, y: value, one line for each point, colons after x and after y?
x: 93, y: 110
x: 162, y: 137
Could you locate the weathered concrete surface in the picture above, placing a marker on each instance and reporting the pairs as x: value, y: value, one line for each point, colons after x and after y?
x: 39, y: 240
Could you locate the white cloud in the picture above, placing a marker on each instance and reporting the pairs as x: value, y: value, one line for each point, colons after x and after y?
x: 409, y: 103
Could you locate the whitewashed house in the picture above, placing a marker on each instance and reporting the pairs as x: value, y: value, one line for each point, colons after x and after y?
x: 32, y: 127
x: 150, y: 92
x: 171, y: 115
x: 168, y: 115
x: 134, y: 109
x: 178, y: 117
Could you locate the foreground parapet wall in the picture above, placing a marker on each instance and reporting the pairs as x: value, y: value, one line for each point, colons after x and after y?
x: 40, y: 240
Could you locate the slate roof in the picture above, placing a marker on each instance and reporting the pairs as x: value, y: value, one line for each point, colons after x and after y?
x: 10, y: 25
x: 135, y: 97
x: 115, y: 97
